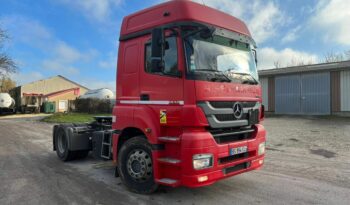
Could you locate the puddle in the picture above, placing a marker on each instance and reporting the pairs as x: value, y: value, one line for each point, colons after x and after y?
x: 294, y: 140
x: 279, y: 145
x: 323, y: 152
x: 274, y: 149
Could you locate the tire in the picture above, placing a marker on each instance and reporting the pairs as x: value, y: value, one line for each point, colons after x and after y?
x: 61, y: 145
x: 135, y: 166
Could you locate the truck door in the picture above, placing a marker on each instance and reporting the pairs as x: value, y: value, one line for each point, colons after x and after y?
x: 165, y: 87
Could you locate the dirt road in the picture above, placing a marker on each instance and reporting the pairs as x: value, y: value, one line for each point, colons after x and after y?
x: 307, y: 162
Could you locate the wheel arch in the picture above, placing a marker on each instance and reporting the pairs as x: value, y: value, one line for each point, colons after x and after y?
x: 128, y: 133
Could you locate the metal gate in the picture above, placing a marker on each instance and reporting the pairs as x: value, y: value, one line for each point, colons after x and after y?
x: 303, y: 94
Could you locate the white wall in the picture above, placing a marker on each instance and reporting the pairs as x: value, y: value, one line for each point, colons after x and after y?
x: 345, y: 90
x: 265, y: 88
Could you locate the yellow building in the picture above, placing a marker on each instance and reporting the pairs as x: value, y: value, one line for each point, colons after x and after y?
x: 58, y: 90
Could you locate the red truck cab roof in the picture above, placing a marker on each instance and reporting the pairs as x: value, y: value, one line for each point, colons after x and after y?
x: 180, y: 11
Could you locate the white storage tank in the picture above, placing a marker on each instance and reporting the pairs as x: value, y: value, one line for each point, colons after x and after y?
x: 6, y: 101
x: 103, y: 94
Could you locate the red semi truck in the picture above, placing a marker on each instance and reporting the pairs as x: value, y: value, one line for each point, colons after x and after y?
x: 188, y: 107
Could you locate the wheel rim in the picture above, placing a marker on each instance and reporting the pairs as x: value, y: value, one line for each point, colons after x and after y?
x: 139, y: 165
x: 62, y: 143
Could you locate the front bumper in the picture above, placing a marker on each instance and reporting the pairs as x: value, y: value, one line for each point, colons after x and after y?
x: 224, y: 165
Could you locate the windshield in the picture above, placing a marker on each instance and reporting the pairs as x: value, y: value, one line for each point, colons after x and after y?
x: 220, y: 54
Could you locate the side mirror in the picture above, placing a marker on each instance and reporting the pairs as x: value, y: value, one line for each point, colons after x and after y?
x: 157, y: 50
x: 255, y: 56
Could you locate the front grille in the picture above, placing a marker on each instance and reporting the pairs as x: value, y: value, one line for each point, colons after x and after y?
x: 236, y: 168
x: 229, y: 117
x: 220, y: 114
x: 222, y: 136
x: 229, y: 104
x: 236, y: 157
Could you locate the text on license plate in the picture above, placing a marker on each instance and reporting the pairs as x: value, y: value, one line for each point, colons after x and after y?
x: 238, y: 150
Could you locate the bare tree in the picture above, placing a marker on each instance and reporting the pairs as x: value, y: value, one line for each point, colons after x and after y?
x: 332, y: 57
x: 296, y: 62
x: 347, y: 54
x: 6, y: 84
x: 7, y: 65
x: 277, y: 64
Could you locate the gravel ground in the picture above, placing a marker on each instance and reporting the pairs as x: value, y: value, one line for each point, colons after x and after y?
x: 307, y: 162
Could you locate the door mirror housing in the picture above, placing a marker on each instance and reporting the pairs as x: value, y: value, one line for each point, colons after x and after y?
x: 157, y: 50
x: 255, y: 56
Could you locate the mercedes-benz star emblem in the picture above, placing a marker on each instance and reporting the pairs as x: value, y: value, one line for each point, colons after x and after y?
x: 237, y: 110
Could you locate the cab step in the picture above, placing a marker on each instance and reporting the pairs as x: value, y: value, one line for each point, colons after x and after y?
x: 168, y: 160
x: 169, y: 139
x: 168, y: 182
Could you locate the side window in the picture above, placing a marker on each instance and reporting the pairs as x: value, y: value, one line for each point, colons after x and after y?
x: 170, y: 57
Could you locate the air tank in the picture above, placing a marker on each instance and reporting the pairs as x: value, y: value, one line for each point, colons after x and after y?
x: 6, y: 101
x: 103, y: 93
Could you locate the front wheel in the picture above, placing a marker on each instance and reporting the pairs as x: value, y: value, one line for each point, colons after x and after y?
x: 135, y: 166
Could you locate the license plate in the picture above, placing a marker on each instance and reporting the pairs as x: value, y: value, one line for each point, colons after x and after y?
x: 238, y: 150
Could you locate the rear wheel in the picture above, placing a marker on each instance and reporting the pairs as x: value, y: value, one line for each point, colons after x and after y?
x: 135, y: 166
x: 62, y: 150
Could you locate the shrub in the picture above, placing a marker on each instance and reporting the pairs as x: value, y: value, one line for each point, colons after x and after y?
x: 91, y: 105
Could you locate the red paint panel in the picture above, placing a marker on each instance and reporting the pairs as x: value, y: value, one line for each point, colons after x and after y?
x: 180, y: 10
x: 214, y: 91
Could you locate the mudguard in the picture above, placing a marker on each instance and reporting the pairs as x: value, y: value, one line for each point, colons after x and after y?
x: 78, y: 136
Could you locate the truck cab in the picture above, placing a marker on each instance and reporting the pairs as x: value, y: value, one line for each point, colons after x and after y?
x: 188, y: 109
x: 187, y: 85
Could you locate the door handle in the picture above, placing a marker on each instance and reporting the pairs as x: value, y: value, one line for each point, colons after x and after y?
x: 303, y: 98
x: 144, y: 97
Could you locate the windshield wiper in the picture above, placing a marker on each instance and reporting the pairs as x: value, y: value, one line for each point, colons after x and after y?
x: 218, y: 75
x: 253, y: 81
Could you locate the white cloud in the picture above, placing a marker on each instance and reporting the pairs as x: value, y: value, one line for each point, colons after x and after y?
x: 110, y: 62
x: 23, y: 78
x: 286, y: 57
x: 26, y: 30
x: 332, y: 18
x: 291, y: 35
x: 96, y: 9
x: 59, y: 67
x: 60, y: 56
x: 266, y: 20
x: 67, y: 53
x: 95, y: 84
x: 263, y: 18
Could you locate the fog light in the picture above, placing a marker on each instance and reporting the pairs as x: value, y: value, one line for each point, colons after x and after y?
x: 202, y: 161
x: 202, y: 179
x: 261, y: 148
x: 261, y: 161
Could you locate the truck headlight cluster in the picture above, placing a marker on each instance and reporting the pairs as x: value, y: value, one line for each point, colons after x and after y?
x: 202, y: 161
x: 261, y: 148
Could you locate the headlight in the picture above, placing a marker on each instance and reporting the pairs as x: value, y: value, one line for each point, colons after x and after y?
x: 261, y: 148
x: 202, y: 161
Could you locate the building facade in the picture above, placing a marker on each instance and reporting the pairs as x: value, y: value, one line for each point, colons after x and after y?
x: 57, y: 90
x: 320, y: 89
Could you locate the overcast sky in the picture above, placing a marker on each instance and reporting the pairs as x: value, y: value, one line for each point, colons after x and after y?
x: 79, y: 39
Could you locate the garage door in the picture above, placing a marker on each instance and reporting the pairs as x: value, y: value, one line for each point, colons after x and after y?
x: 287, y: 94
x: 315, y: 94
x: 303, y: 94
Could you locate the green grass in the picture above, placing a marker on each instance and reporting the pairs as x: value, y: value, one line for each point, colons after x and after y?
x: 71, y: 117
